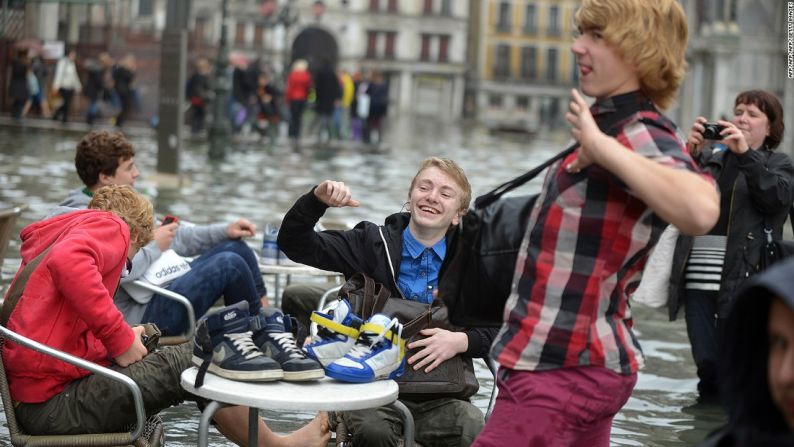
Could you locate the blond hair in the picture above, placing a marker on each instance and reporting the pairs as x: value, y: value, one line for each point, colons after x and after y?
x: 650, y: 35
x: 131, y: 207
x: 452, y: 169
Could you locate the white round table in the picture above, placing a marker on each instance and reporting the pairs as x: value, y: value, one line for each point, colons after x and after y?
x: 322, y: 395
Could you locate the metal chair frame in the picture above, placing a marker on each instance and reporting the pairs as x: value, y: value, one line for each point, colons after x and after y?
x: 181, y: 299
x: 19, y: 438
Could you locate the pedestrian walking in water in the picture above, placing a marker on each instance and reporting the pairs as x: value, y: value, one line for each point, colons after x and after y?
x: 66, y: 83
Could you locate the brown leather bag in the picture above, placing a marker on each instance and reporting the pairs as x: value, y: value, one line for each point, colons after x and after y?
x: 453, y: 378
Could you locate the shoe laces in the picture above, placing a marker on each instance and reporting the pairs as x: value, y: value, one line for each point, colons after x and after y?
x: 368, y: 341
x: 286, y: 341
x: 243, y: 342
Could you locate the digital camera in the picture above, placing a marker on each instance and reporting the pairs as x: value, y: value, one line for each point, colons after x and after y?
x: 711, y: 131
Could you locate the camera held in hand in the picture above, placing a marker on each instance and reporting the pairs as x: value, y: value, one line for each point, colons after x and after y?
x: 712, y: 131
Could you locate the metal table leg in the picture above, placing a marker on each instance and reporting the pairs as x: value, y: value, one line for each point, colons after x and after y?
x: 408, y: 423
x: 253, y: 426
x: 204, y: 424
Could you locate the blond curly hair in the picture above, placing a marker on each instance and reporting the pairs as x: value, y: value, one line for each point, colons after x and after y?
x: 134, y: 209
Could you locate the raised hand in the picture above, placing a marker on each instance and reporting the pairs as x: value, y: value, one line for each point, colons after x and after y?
x: 335, y: 194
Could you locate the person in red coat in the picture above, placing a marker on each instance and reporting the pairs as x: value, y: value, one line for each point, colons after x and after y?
x: 67, y: 304
x: 298, y: 84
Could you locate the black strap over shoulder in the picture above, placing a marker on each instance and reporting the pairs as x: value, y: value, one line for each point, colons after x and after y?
x: 647, y: 117
x: 494, y: 195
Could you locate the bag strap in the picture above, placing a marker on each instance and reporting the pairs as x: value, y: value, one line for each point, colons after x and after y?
x: 650, y: 117
x: 494, y: 195
x: 18, y: 287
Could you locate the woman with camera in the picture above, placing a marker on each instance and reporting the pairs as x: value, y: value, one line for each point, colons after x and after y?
x: 756, y: 192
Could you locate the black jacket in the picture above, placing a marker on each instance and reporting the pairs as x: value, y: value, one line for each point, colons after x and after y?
x: 763, y: 192
x: 358, y: 250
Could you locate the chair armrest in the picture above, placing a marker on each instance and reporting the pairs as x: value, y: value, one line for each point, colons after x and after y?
x: 140, y: 414
x: 191, y: 315
x: 493, y: 367
x: 330, y: 292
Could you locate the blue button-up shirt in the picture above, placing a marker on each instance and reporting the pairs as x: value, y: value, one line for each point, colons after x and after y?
x: 419, y: 268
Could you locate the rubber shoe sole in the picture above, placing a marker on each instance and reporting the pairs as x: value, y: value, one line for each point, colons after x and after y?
x: 345, y: 374
x: 302, y: 376
x: 243, y: 376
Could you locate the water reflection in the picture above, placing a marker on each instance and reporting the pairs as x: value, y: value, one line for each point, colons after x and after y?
x: 36, y: 167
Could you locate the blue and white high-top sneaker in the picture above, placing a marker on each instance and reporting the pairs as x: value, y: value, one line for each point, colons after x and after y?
x: 273, y: 335
x: 337, y: 332
x: 223, y: 346
x: 378, y: 353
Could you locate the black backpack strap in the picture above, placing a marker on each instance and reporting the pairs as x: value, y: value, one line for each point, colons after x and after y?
x: 18, y: 287
x: 494, y: 195
x: 651, y: 117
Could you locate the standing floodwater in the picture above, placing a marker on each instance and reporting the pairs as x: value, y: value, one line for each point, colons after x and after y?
x: 37, y: 168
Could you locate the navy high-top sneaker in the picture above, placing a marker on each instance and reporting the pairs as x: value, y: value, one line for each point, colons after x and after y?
x: 223, y: 346
x: 273, y: 336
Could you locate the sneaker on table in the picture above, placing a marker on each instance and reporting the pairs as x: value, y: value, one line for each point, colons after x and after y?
x: 379, y: 353
x: 224, y: 341
x: 272, y: 334
x: 337, y: 332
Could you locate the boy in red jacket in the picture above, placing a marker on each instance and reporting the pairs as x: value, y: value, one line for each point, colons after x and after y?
x: 68, y: 304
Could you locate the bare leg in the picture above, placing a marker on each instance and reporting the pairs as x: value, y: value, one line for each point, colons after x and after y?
x: 233, y: 423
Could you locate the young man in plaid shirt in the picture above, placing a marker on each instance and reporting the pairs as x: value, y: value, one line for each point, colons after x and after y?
x: 568, y: 357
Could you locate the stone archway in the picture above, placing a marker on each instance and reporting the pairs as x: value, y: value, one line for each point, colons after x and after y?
x: 315, y: 44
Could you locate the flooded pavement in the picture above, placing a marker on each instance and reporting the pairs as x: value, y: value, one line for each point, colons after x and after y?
x: 36, y: 167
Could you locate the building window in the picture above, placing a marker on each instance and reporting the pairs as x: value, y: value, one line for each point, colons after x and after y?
x: 554, y: 21
x: 259, y: 35
x: 529, y: 62
x: 530, y: 20
x: 495, y: 100
x: 427, y: 8
x: 446, y: 8
x: 522, y: 102
x: 372, y: 41
x: 199, y: 32
x: 392, y: 7
x: 145, y: 8
x: 551, y: 64
x: 374, y: 5
x: 239, y: 34
x: 388, y: 52
x: 443, y: 48
x: 503, y: 25
x: 502, y: 65
x: 424, y: 55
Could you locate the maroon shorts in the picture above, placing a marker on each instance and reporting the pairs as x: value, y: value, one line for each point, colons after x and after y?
x: 561, y: 407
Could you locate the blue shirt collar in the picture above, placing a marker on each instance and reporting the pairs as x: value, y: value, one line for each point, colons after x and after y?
x: 415, y: 248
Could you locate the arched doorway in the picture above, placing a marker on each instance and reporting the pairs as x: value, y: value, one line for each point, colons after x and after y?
x: 315, y: 45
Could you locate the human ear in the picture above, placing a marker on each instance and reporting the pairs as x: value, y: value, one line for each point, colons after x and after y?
x: 105, y: 180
